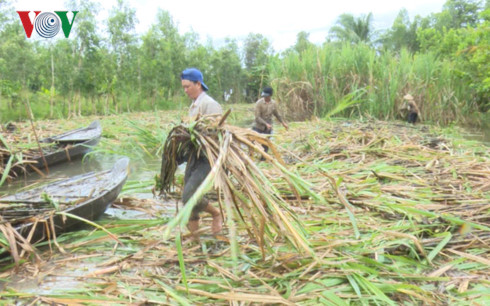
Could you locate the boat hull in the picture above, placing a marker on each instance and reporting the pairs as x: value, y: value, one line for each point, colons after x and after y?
x: 95, y: 192
x: 69, y: 146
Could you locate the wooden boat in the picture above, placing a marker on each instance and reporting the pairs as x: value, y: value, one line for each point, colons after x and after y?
x: 35, y: 213
x: 65, y: 147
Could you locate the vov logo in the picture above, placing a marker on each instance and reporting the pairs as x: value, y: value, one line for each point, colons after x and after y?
x: 47, y: 24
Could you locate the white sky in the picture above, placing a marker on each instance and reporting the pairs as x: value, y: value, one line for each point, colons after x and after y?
x: 279, y: 21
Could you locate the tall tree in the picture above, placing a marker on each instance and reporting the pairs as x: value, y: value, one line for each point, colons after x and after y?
x: 86, y: 53
x: 302, y: 42
x: 122, y: 37
x: 439, y: 32
x: 226, y: 75
x: 163, y: 53
x: 353, y: 30
x: 65, y: 63
x: 257, y: 51
x: 17, y: 57
x: 462, y: 13
x: 5, y: 12
x: 403, y: 33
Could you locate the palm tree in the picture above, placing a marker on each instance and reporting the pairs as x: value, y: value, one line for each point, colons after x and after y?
x: 354, y: 30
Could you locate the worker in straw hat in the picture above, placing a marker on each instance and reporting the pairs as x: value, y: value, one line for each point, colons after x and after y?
x: 198, y: 166
x: 412, y: 108
x: 265, y: 108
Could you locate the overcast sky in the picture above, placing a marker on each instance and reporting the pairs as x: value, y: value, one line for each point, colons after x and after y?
x: 279, y: 21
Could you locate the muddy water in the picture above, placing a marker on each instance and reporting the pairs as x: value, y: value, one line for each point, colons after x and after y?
x: 138, y: 171
x: 480, y: 134
x: 64, y: 280
x: 61, y: 171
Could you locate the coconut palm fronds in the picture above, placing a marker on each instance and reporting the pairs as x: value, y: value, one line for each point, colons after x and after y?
x: 247, y: 193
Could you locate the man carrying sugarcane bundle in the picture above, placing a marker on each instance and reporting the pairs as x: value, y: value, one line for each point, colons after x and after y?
x: 248, y: 195
x: 265, y: 108
x: 198, y: 166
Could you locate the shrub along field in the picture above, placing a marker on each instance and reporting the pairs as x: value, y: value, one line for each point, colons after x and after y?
x: 392, y: 213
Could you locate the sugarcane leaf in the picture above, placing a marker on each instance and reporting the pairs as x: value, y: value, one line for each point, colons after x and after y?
x: 440, y: 246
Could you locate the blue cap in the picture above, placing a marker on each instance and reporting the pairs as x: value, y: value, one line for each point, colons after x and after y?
x: 193, y: 74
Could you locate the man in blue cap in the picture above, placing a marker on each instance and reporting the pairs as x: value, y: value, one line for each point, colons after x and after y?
x: 198, y: 166
x: 194, y: 87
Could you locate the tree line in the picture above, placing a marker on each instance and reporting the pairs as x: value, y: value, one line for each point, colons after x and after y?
x: 443, y: 57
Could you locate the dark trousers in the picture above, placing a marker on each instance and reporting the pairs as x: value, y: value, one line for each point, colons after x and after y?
x: 269, y: 132
x: 412, y: 117
x: 195, y: 172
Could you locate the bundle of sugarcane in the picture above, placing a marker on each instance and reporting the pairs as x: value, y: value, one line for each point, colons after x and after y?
x: 245, y: 193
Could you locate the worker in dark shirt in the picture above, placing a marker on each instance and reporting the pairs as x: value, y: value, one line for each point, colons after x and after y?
x: 265, y: 108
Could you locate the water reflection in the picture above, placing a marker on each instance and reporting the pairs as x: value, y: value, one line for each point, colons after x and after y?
x: 56, y: 172
x: 481, y: 134
x: 144, y: 169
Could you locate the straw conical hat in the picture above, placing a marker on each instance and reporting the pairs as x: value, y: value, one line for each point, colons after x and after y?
x: 408, y: 97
